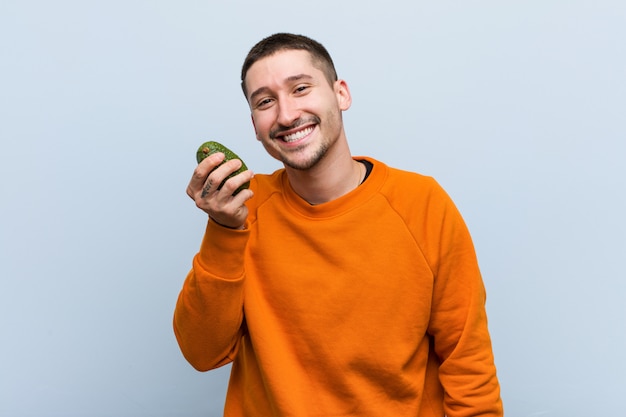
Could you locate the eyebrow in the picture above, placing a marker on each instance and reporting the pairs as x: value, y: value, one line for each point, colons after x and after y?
x: 291, y: 78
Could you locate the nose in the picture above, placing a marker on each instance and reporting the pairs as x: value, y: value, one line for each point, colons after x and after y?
x: 288, y: 111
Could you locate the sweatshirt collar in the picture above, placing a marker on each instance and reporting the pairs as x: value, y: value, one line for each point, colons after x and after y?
x: 345, y: 203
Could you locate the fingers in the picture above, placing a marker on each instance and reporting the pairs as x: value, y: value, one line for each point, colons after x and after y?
x: 222, y: 206
x: 212, y: 190
x: 229, y: 186
x: 218, y: 179
x: 200, y: 174
x: 208, y: 185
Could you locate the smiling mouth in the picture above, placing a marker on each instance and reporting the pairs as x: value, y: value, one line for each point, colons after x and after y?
x: 297, y: 135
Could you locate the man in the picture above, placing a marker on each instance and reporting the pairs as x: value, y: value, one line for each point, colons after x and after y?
x: 337, y: 286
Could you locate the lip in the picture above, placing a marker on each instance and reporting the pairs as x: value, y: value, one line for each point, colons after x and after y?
x: 297, y: 135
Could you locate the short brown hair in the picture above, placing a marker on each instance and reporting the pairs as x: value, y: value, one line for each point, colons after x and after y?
x: 287, y: 41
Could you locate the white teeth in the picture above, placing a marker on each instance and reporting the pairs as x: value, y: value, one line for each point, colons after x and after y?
x: 298, y: 135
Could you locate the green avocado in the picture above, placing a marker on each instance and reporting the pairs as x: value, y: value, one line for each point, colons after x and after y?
x: 211, y: 147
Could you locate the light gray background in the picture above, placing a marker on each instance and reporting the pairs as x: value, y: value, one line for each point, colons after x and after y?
x: 517, y: 108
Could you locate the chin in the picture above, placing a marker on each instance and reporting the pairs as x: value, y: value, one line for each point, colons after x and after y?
x: 305, y: 162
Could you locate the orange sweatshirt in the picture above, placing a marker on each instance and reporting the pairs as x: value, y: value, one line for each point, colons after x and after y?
x: 369, y: 305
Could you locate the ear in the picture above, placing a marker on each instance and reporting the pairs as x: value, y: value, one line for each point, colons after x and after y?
x: 344, y: 98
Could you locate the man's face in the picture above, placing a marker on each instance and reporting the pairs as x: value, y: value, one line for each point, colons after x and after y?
x: 296, y: 112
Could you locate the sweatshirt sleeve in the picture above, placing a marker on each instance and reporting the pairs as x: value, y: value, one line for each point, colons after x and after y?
x: 458, y: 318
x: 209, y: 312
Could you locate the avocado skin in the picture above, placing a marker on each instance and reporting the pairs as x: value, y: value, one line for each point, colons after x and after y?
x: 211, y: 147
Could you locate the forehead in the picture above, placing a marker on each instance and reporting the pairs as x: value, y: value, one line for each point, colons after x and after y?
x: 279, y: 67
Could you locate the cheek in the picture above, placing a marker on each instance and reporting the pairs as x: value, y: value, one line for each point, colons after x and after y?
x: 262, y: 125
x: 334, y: 118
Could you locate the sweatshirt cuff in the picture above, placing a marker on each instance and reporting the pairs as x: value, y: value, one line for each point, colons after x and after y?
x: 222, y: 251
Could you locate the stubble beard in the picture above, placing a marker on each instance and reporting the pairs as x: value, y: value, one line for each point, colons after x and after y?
x: 292, y: 159
x: 307, y: 163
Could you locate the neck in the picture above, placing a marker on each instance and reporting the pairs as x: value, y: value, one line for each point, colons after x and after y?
x: 330, y: 179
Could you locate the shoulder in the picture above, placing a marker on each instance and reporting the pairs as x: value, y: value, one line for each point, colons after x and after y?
x: 267, y: 183
x: 265, y: 186
x: 400, y: 184
x: 412, y: 194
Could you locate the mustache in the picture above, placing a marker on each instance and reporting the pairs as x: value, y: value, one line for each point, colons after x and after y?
x: 296, y: 124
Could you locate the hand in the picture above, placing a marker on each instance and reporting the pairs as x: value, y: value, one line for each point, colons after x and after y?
x: 220, y: 205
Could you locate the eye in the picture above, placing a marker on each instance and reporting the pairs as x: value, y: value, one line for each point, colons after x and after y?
x: 301, y: 89
x: 264, y: 103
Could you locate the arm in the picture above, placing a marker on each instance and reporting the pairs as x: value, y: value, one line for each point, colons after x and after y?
x: 459, y: 320
x: 209, y: 311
